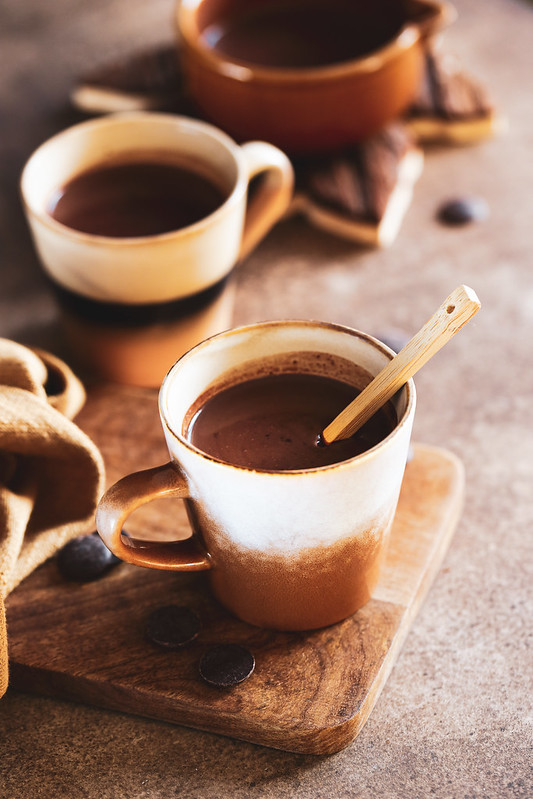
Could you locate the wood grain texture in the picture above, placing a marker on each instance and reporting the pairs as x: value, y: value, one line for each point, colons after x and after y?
x: 310, y: 692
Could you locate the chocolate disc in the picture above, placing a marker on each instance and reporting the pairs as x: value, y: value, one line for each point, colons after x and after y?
x: 172, y: 626
x: 463, y: 210
x: 85, y: 558
x: 226, y: 665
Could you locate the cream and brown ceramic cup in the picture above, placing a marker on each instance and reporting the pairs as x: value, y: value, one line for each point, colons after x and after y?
x: 131, y: 306
x: 290, y: 550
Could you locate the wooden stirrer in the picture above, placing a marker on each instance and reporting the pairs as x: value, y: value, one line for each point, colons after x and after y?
x: 454, y: 312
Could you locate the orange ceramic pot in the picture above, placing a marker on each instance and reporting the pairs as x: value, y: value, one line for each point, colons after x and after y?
x: 306, y: 108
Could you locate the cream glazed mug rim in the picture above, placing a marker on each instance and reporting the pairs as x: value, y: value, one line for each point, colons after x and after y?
x: 143, y: 117
x: 408, y: 387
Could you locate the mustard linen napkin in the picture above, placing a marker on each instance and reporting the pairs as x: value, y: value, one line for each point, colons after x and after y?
x: 51, y: 473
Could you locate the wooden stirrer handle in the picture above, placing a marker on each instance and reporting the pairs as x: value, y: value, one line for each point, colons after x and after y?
x: 455, y: 311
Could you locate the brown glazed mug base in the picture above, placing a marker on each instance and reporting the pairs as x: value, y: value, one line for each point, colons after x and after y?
x: 269, y: 592
x: 271, y: 596
x: 141, y: 355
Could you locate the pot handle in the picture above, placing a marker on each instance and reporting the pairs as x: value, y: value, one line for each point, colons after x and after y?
x: 431, y: 16
x: 271, y: 199
x: 130, y: 493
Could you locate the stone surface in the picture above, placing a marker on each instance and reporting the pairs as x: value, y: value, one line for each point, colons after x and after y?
x: 454, y: 720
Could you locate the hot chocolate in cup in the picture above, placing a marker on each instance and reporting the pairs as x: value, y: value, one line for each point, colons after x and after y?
x: 285, y: 548
x: 139, y: 220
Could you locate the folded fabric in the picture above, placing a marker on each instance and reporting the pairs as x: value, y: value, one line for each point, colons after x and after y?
x: 51, y: 473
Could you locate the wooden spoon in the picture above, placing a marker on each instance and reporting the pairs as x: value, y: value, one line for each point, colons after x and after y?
x: 450, y: 317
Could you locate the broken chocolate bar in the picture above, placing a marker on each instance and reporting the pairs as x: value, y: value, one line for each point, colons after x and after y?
x: 147, y: 80
x: 363, y: 192
x: 451, y: 106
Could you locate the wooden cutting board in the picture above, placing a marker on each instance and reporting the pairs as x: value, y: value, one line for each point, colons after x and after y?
x: 310, y: 692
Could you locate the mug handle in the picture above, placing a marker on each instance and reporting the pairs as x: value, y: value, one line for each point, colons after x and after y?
x: 433, y: 16
x: 130, y: 493
x: 272, y: 197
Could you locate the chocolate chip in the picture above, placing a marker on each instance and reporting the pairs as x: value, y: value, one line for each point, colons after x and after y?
x: 463, y: 210
x: 226, y: 665
x: 85, y: 558
x: 172, y: 626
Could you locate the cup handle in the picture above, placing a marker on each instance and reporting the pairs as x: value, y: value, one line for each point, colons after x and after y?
x: 130, y: 493
x: 433, y: 16
x: 272, y: 198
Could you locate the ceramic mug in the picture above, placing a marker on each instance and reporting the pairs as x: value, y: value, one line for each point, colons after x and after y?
x: 132, y: 305
x: 241, y: 65
x: 289, y: 550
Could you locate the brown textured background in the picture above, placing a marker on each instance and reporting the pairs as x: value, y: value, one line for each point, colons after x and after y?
x: 455, y: 718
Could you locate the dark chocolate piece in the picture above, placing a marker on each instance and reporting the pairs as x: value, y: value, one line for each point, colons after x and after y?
x: 463, y: 210
x: 381, y: 157
x: 151, y: 79
x: 448, y: 92
x: 85, y: 558
x: 358, y: 181
x: 226, y: 665
x: 172, y: 626
x: 337, y: 183
x: 155, y: 70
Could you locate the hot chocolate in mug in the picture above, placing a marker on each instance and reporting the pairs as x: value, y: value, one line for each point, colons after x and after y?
x: 139, y: 220
x: 285, y: 548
